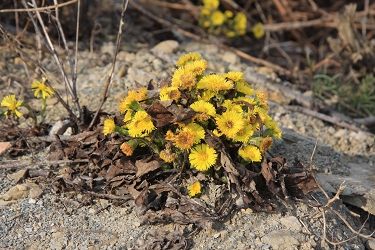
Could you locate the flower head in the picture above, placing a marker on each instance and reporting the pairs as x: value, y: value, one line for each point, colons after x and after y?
x: 184, y: 79
x: 262, y: 99
x: 128, y: 147
x: 190, y: 57
x: 230, y: 123
x: 244, y: 87
x: 202, y: 157
x: 109, y: 126
x: 240, y: 21
x: 203, y: 107
x: 214, y: 83
x: 133, y: 95
x: 250, y: 153
x: 196, y: 67
x: 169, y: 93
x: 184, y: 139
x: 141, y: 124
x: 234, y: 76
x: 167, y: 155
x: 41, y: 87
x: 197, y: 130
x: 217, y: 18
x: 244, y: 134
x: 12, y: 104
x: 194, y: 189
x: 265, y: 144
x: 213, y: 4
x: 258, y: 30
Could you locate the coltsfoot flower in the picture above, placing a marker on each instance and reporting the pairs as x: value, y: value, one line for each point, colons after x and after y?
x: 250, y: 153
x: 12, y: 105
x: 109, y: 126
x: 194, y: 189
x: 41, y: 88
x: 202, y: 157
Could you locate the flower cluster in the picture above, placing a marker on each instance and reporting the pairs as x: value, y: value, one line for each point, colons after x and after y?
x: 226, y: 23
x: 224, y: 107
x: 40, y: 90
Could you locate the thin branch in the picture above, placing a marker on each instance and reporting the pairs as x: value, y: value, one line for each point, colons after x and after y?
x: 20, y: 164
x: 110, y: 75
x: 40, y: 8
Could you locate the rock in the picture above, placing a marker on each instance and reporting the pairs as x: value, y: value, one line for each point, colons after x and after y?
x: 35, y: 191
x: 202, y: 48
x: 291, y: 223
x: 370, y: 244
x: 281, y: 239
x: 122, y: 71
x: 230, y: 57
x: 15, y: 193
x: 108, y: 47
x: 168, y: 46
x: 17, y: 176
x: 340, y: 133
x: 6, y: 203
x: 141, y: 76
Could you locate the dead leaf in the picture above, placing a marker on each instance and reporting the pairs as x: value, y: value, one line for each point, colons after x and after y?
x: 146, y: 167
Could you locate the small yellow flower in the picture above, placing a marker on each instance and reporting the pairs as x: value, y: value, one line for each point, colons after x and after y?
x: 272, y: 125
x: 169, y: 136
x: 196, y: 67
x: 141, y: 124
x: 250, y: 153
x: 262, y: 99
x: 230, y: 34
x: 109, y: 126
x: 184, y: 79
x: 197, y: 130
x: 169, y: 93
x: 194, y: 189
x: 206, y: 24
x: 184, y: 140
x: 212, y: 4
x: 12, y: 104
x: 234, y: 76
x: 128, y: 147
x: 265, y: 144
x: 214, y: 83
x: 132, y: 95
x: 190, y: 57
x: 258, y: 30
x: 41, y: 87
x: 202, y: 157
x: 205, y: 12
x: 167, y: 155
x: 244, y: 134
x: 206, y: 95
x: 230, y: 106
x: 244, y: 87
x: 217, y: 18
x: 203, y: 107
x: 240, y: 21
x: 228, y: 13
x: 230, y: 123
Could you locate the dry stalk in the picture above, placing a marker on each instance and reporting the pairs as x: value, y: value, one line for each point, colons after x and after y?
x: 110, y: 75
x: 328, y: 207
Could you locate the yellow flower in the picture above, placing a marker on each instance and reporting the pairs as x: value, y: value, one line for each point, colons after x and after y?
x: 205, y: 12
x: 244, y: 87
x: 272, y: 125
x: 228, y: 13
x: 230, y: 34
x: 206, y: 95
x: 109, y: 126
x: 240, y: 21
x: 12, y: 104
x: 230, y: 106
x: 234, y: 76
x: 169, y: 93
x: 265, y: 144
x: 202, y: 157
x: 258, y: 30
x: 182, y: 78
x: 183, y: 140
x: 212, y: 4
x: 250, y: 153
x: 194, y: 189
x: 185, y: 59
x: 169, y: 136
x: 262, y: 99
x: 244, y: 134
x: 230, y: 123
x: 261, y: 112
x: 141, y: 124
x: 217, y: 18
x: 206, y: 24
x: 167, y: 155
x: 203, y: 107
x: 196, y: 67
x: 41, y: 87
x: 133, y: 95
x: 195, y: 129
x: 214, y: 83
x: 128, y: 147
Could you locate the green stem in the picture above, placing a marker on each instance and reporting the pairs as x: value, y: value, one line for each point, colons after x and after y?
x: 44, y: 105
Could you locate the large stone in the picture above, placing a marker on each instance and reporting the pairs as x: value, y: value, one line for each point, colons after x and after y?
x: 281, y: 239
x: 168, y: 46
